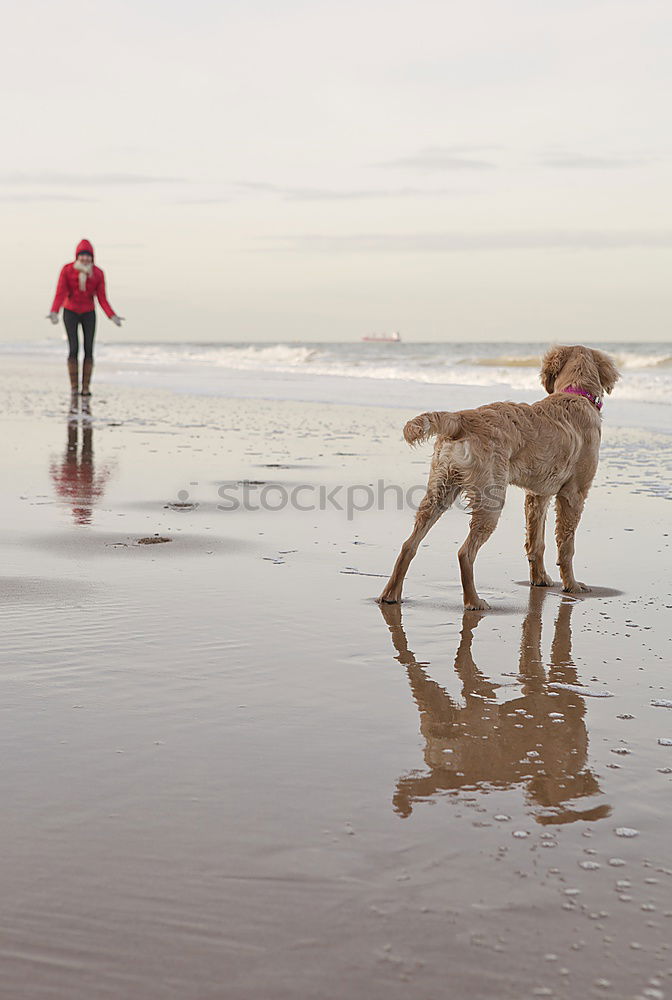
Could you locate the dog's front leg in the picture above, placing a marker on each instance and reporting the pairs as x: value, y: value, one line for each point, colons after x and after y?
x: 568, y: 510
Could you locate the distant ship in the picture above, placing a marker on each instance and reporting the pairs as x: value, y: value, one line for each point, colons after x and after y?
x: 384, y: 338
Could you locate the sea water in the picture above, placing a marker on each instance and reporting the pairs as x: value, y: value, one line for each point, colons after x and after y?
x: 449, y: 375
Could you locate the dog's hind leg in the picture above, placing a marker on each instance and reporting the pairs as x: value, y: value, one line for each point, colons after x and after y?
x: 430, y: 510
x: 535, y: 543
x: 483, y: 523
x: 568, y: 509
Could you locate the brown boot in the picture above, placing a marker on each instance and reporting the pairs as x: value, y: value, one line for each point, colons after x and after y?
x: 87, y: 368
x: 73, y: 372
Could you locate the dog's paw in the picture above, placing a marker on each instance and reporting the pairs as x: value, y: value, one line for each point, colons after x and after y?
x: 387, y: 599
x: 541, y: 581
x: 577, y: 588
x: 478, y: 605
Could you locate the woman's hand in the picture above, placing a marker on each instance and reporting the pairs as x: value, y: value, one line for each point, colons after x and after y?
x: 116, y: 320
x: 53, y: 317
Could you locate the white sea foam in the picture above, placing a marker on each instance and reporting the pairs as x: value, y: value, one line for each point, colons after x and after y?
x: 579, y: 689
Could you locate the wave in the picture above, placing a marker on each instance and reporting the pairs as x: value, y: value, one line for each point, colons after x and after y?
x: 624, y: 359
x: 506, y: 372
x: 633, y: 360
x: 276, y: 357
x: 507, y: 369
x: 505, y: 361
x: 286, y: 359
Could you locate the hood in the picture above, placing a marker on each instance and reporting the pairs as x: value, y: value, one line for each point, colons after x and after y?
x: 83, y: 247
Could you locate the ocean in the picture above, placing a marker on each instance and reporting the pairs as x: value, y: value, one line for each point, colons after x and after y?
x: 449, y: 375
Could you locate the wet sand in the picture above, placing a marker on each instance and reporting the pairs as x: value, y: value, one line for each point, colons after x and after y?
x: 226, y: 772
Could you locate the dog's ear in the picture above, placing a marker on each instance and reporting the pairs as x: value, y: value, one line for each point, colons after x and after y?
x: 553, y: 363
x: 607, y: 372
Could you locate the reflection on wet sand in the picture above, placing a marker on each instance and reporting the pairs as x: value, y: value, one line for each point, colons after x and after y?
x: 537, y: 740
x: 75, y: 477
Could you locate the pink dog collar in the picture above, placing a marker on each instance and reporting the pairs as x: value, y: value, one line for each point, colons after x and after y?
x: 574, y: 389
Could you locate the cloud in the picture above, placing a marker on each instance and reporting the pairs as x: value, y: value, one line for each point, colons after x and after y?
x: 43, y: 177
x: 444, y: 158
x: 30, y: 198
x: 581, y: 162
x: 346, y: 194
x: 460, y: 242
x: 215, y: 200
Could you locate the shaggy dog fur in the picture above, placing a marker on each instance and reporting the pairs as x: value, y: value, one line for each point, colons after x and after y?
x: 549, y: 449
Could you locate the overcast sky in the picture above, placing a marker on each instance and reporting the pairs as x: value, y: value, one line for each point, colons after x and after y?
x: 285, y: 169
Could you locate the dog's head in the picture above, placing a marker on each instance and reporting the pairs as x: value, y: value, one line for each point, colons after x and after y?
x: 583, y: 366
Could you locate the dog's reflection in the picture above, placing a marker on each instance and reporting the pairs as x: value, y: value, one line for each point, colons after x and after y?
x: 538, y: 739
x: 74, y: 476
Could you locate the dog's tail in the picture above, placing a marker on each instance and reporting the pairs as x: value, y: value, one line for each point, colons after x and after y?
x: 427, y: 425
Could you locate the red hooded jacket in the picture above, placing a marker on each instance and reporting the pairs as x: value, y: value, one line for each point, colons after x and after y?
x: 69, y: 294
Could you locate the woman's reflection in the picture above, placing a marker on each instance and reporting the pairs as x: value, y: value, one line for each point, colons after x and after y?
x: 75, y: 477
x: 537, y: 739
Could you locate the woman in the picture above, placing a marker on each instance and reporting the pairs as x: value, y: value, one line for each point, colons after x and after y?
x: 78, y: 283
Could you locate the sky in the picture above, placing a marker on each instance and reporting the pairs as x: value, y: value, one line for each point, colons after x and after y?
x: 296, y: 170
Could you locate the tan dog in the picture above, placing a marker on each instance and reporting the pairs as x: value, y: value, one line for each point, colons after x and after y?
x: 549, y: 449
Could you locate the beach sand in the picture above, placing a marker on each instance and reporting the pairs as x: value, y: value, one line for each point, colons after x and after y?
x: 226, y: 772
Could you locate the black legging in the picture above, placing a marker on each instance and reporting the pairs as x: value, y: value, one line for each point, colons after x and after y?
x: 72, y: 321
